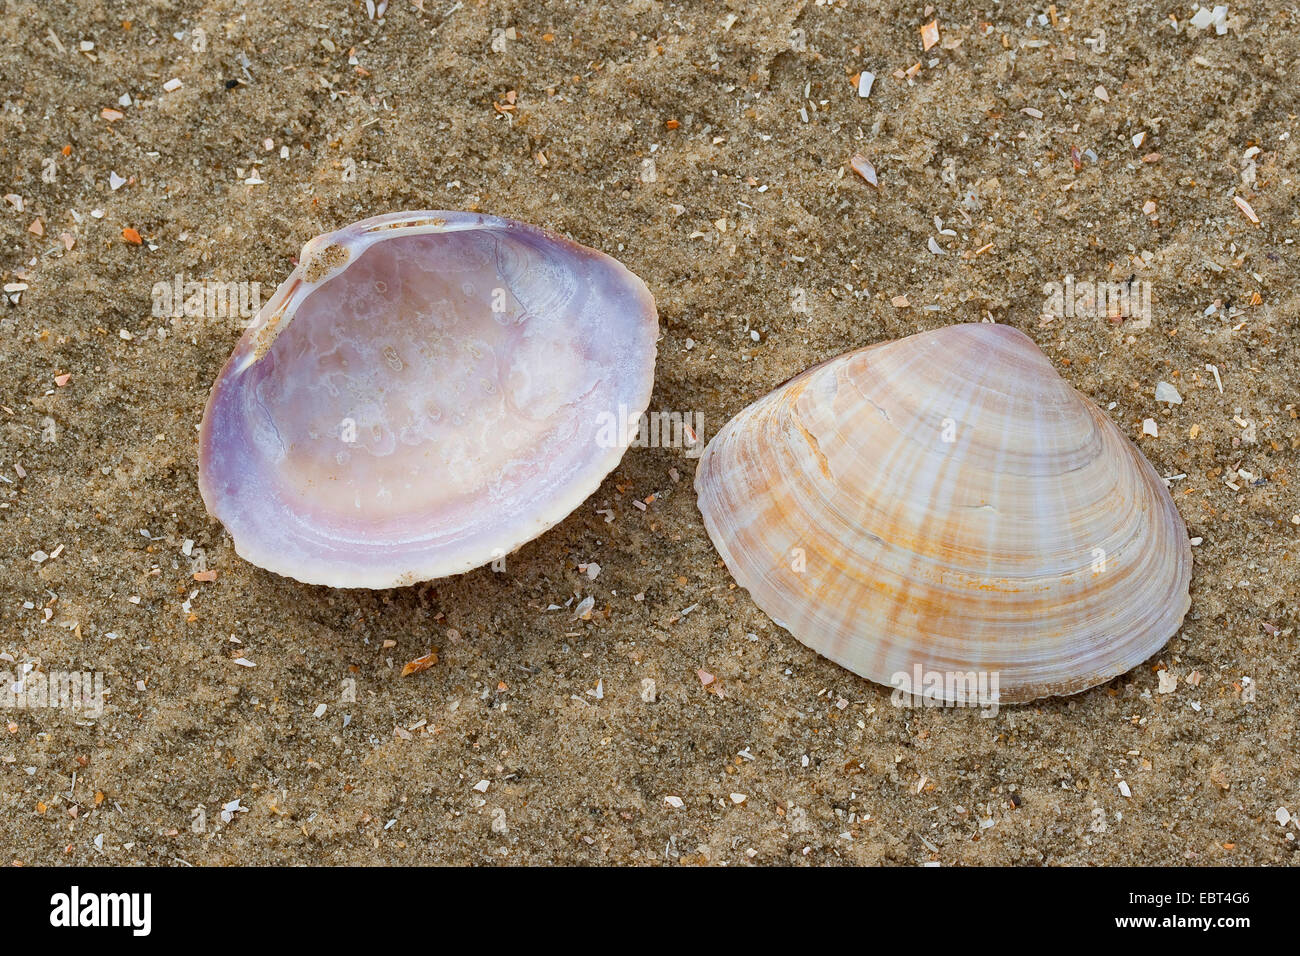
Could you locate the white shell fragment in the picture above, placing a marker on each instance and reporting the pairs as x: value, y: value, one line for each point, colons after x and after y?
x: 426, y: 392
x: 948, y: 503
x: 1167, y: 393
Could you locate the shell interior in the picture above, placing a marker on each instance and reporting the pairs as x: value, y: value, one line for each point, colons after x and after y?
x: 425, y: 393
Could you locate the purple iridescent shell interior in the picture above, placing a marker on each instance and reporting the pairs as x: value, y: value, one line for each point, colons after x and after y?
x: 426, y: 392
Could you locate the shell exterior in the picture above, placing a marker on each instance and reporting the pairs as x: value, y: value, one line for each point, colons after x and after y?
x: 947, y: 500
x: 426, y: 392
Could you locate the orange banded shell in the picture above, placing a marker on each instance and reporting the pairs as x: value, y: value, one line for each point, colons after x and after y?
x: 948, y: 504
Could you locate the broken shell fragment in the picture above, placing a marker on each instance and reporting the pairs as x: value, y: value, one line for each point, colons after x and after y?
x: 862, y: 166
x: 426, y: 392
x: 947, y: 505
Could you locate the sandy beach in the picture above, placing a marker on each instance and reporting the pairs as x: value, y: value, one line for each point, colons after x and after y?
x: 251, y: 719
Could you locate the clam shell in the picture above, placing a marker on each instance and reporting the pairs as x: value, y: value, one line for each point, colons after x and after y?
x: 426, y: 392
x: 947, y: 500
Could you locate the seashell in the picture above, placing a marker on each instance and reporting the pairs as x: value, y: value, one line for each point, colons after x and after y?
x: 946, y: 504
x: 426, y: 392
